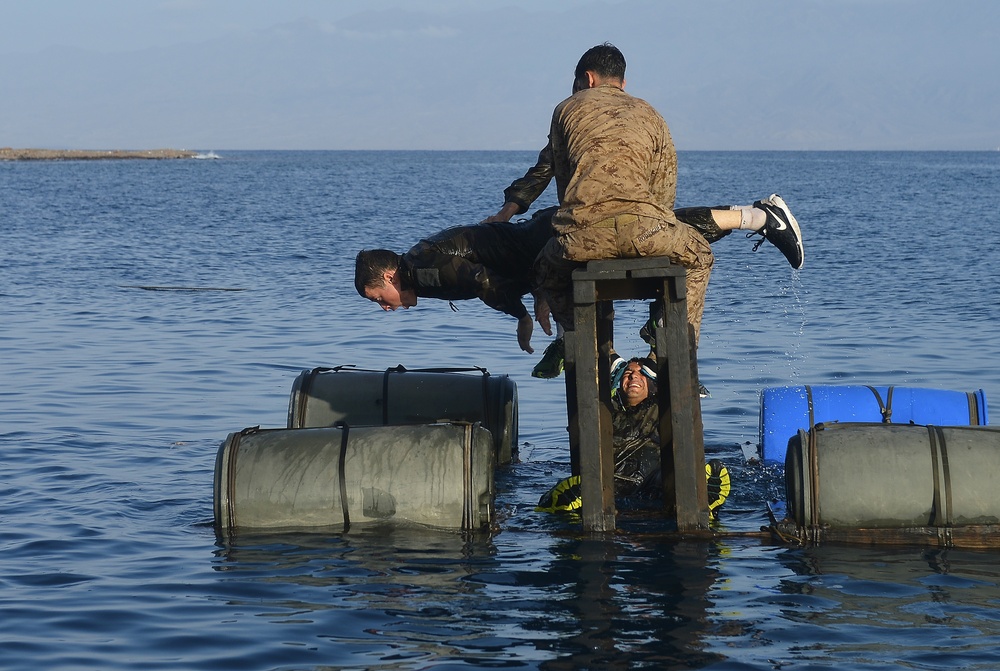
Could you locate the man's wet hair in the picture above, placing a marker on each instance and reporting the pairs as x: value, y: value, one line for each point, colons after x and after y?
x: 369, y: 266
x: 604, y: 59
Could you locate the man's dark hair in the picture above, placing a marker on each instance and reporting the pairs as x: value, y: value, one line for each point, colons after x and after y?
x: 604, y: 59
x: 369, y: 266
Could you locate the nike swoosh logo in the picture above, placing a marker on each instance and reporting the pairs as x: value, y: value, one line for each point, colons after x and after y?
x: 781, y: 225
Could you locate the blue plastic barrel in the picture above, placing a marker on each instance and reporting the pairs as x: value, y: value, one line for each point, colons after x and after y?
x: 786, y: 410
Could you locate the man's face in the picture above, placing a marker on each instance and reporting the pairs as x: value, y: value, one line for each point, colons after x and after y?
x: 635, y: 385
x: 389, y: 296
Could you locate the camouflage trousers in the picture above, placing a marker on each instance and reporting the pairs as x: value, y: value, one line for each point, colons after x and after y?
x: 623, y: 237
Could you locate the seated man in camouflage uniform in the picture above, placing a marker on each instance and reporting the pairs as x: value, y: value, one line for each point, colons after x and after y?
x: 615, y: 168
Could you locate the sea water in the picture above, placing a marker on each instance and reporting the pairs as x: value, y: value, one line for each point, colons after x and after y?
x: 150, y: 308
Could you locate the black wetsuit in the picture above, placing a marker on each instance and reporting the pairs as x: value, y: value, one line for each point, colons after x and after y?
x: 637, y: 448
x: 492, y: 262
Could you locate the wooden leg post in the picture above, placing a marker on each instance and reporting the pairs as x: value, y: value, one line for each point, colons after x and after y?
x: 588, y: 389
x: 593, y: 390
x: 684, y: 485
x: 572, y: 407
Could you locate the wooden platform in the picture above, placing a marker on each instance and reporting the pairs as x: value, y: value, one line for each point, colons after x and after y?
x: 588, y: 389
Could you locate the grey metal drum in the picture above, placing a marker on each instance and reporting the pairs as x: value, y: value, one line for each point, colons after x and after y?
x: 398, y: 396
x: 879, y: 476
x: 440, y: 475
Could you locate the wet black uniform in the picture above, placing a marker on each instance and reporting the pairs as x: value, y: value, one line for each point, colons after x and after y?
x: 491, y: 262
x: 637, y: 448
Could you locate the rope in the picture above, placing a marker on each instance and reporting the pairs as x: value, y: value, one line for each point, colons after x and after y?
x: 885, y: 409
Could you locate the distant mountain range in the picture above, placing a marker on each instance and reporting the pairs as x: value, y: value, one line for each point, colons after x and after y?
x: 726, y: 74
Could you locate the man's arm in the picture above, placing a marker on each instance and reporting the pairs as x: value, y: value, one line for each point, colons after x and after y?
x: 523, y: 191
x: 543, y: 314
x: 504, y: 295
x: 452, y: 277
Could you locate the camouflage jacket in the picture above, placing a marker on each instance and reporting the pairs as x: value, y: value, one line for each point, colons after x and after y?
x: 525, y: 190
x: 491, y: 262
x: 612, y: 155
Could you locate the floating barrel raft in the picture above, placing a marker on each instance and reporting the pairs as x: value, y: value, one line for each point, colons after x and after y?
x: 784, y: 411
x: 862, y: 464
x: 398, y: 396
x: 440, y: 475
x: 892, y: 483
x: 361, y: 446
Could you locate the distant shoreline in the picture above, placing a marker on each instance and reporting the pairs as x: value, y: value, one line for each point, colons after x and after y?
x: 8, y: 154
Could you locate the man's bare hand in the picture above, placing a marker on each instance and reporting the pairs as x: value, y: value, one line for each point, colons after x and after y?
x: 506, y: 212
x: 543, y: 314
x: 524, y: 329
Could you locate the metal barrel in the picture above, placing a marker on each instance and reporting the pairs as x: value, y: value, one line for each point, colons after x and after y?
x: 397, y: 396
x: 439, y: 475
x: 881, y: 476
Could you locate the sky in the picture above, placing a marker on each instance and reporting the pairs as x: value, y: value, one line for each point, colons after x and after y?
x: 485, y: 74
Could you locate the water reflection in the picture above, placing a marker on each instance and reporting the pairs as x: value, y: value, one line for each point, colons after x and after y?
x: 633, y: 600
x: 861, y: 607
x: 397, y: 595
x: 373, y: 598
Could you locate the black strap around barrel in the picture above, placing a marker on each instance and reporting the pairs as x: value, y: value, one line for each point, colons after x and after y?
x: 812, y: 409
x: 812, y: 469
x: 344, y: 431
x: 813, y: 474
x: 467, y: 494
x: 941, y: 512
x: 491, y: 423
